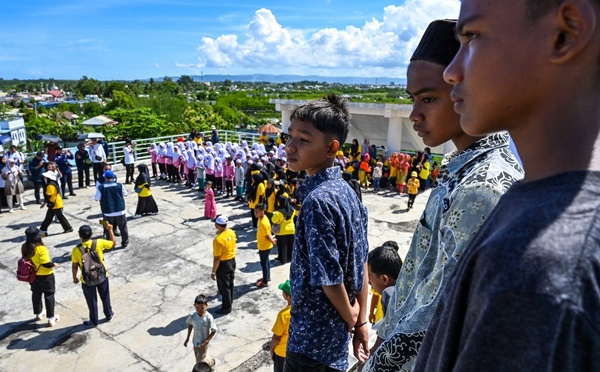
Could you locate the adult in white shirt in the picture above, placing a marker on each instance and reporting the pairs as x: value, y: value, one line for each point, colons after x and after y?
x: 129, y: 160
x: 98, y: 157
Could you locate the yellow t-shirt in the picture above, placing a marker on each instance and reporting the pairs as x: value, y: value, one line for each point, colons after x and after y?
x: 224, y: 245
x: 54, y: 196
x: 41, y: 255
x: 424, y: 174
x: 281, y: 329
x: 260, y: 192
x: 271, y: 202
x: 101, y: 246
x: 379, y: 307
x: 263, y: 139
x: 286, y: 227
x: 264, y: 230
x: 413, y: 186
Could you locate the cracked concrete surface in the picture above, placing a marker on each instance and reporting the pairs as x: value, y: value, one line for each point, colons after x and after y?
x: 153, y: 284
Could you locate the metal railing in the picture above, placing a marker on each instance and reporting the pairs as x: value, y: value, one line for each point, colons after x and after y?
x: 115, y: 153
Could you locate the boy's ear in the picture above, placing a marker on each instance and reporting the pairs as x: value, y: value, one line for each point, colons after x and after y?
x: 333, y: 148
x: 575, y: 23
x: 385, y: 279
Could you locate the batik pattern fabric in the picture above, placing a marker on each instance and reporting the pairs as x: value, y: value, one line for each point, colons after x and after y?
x: 330, y: 248
x: 470, y: 185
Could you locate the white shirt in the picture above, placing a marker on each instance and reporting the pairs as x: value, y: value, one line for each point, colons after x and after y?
x: 97, y: 150
x: 128, y: 151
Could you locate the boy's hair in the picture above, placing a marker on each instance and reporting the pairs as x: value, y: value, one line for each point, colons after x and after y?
x: 201, y: 299
x: 329, y: 115
x: 260, y: 207
x: 385, y: 260
x: 391, y: 244
x: 202, y: 367
x: 538, y: 8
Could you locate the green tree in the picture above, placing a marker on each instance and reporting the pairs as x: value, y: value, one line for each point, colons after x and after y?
x: 120, y: 100
x: 87, y: 86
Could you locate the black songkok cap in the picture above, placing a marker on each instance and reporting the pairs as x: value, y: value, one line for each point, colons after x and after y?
x: 438, y: 44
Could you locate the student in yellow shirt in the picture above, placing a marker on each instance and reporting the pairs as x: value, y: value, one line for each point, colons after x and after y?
x: 413, y: 189
x: 263, y: 138
x: 55, y: 204
x: 265, y: 241
x: 223, y: 270
x: 281, y: 328
x: 44, y: 284
x: 256, y: 195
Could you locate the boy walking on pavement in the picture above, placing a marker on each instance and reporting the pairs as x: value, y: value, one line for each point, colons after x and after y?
x: 265, y: 241
x: 328, y: 270
x: 204, y: 327
x: 281, y: 329
x: 525, y: 293
x: 223, y: 270
x: 412, y: 185
x: 89, y: 291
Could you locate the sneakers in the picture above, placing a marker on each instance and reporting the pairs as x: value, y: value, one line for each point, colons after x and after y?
x: 222, y: 311
x: 11, y: 211
x: 52, y: 321
x: 69, y: 230
x: 23, y: 208
x: 44, y: 233
x: 136, y: 216
x: 109, y: 318
x: 72, y: 194
x: 262, y: 284
x: 40, y: 316
x: 88, y: 323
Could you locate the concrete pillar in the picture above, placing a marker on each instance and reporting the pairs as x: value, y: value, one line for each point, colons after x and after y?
x: 285, y: 118
x: 394, y: 135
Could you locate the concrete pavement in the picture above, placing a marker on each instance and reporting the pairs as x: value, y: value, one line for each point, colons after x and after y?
x: 153, y: 284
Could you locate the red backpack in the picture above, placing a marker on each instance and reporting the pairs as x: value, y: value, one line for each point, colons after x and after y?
x: 26, y: 270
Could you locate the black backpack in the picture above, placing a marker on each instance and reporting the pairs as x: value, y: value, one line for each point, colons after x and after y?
x: 92, y: 268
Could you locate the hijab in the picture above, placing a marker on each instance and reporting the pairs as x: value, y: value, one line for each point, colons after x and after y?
x: 143, y: 176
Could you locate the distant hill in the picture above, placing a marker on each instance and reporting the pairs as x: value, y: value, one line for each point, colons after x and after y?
x: 279, y: 79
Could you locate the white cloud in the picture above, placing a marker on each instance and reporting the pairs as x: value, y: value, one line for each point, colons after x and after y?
x: 381, y: 46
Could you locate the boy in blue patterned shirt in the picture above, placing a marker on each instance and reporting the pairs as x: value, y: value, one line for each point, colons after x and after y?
x: 328, y: 272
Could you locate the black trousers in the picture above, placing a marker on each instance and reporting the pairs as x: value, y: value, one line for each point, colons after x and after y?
x: 129, y: 172
x: 37, y: 186
x: 89, y: 292
x: 411, y: 199
x: 229, y: 187
x: 154, y: 170
x: 285, y: 243
x: 43, y: 285
x: 98, y: 170
x: 278, y: 363
x: 66, y: 180
x: 254, y: 219
x: 82, y: 172
x: 163, y: 170
x: 225, y: 278
x: 50, y: 213
x: 121, y: 223
x: 295, y: 362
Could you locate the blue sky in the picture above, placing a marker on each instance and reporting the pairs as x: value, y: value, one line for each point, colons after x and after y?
x: 139, y: 39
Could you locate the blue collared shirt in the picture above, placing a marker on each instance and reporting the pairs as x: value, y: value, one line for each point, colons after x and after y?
x: 330, y: 248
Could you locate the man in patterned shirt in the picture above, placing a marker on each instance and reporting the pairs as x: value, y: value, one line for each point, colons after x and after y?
x: 328, y: 271
x: 471, y: 181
